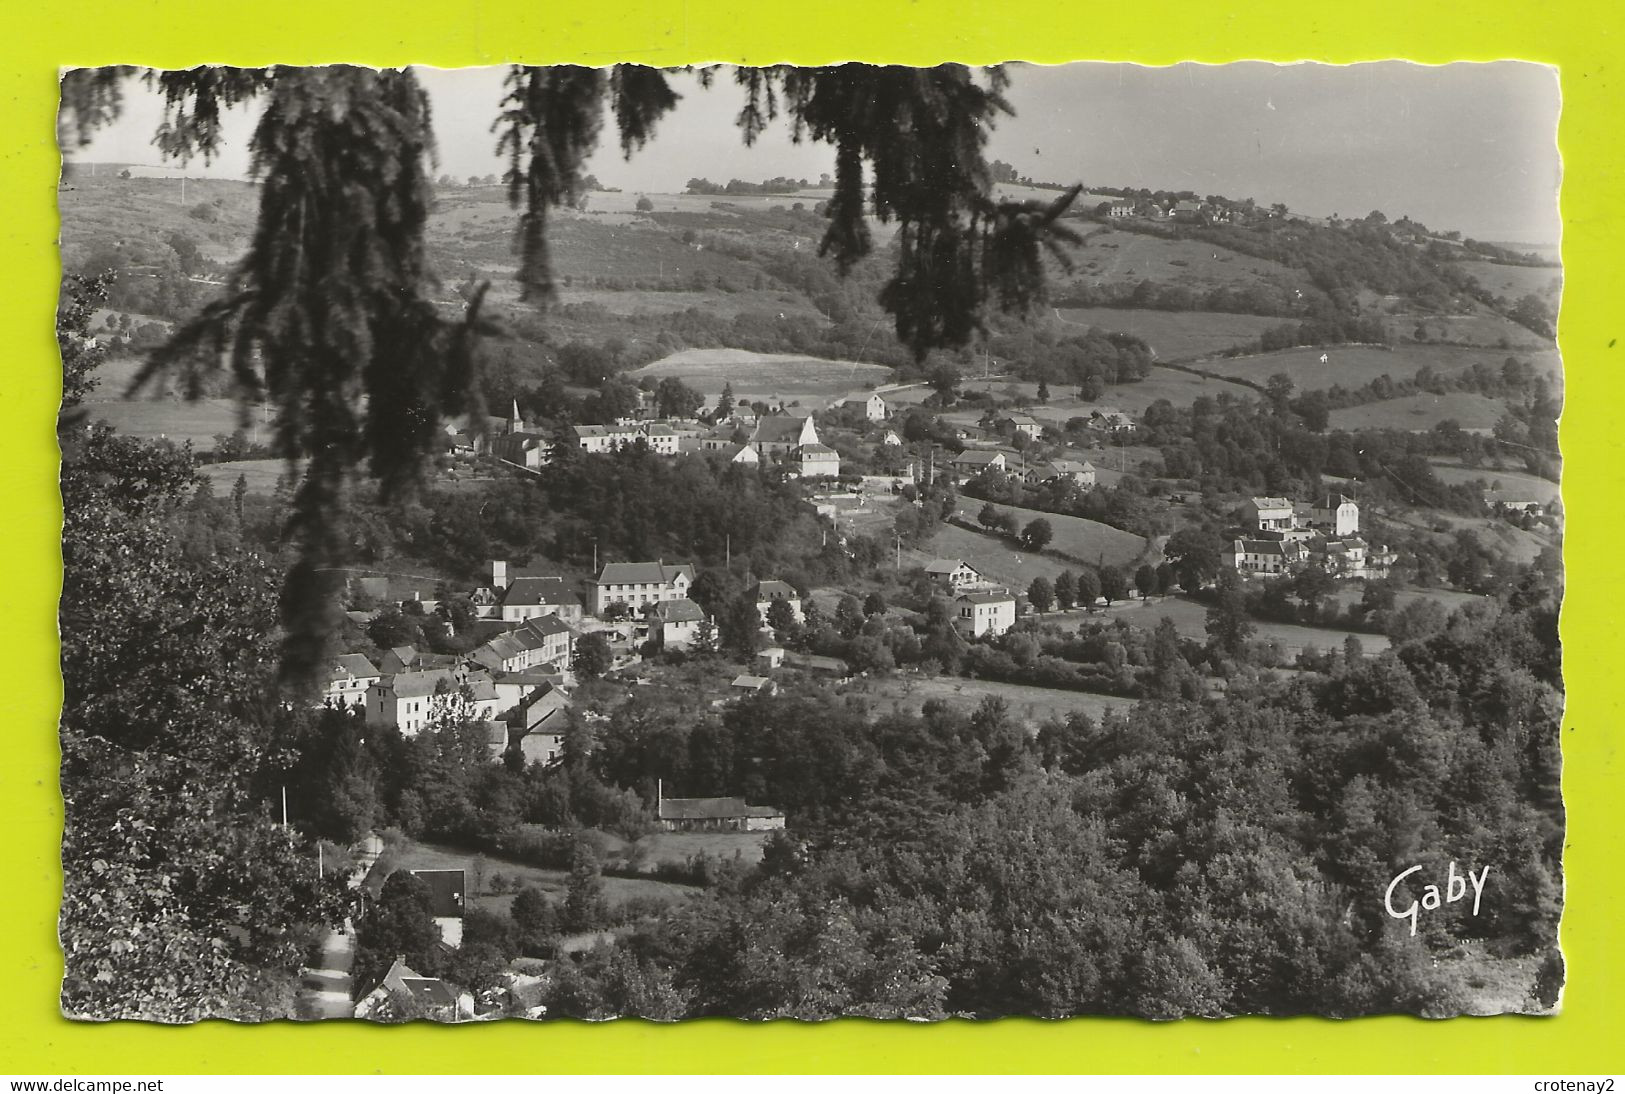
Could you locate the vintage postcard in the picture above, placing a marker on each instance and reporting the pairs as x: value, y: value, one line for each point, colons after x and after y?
x: 561, y: 542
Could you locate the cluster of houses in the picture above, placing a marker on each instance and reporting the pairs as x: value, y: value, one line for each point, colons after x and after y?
x: 516, y: 681
x: 1279, y: 536
x: 972, y: 462
x: 790, y: 439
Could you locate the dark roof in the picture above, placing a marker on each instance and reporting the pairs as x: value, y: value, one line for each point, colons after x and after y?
x: 971, y: 456
x: 986, y: 598
x: 643, y: 573
x: 352, y: 664
x: 681, y: 610
x: 536, y: 590
x: 779, y: 429
x: 429, y: 993
x: 446, y: 890
x: 776, y: 590
x: 712, y: 809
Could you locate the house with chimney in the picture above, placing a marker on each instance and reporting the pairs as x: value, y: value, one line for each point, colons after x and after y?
x: 991, y: 612
x: 349, y: 675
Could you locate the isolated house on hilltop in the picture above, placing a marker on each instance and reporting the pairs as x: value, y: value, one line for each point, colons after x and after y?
x: 874, y: 408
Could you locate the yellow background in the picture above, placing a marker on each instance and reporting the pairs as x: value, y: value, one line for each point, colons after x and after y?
x: 40, y: 35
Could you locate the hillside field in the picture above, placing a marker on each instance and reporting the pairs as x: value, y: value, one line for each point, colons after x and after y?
x: 1353, y: 366
x: 1515, y: 281
x: 1191, y: 620
x: 1507, y: 485
x: 1113, y: 256
x: 1001, y: 560
x: 909, y: 692
x: 1175, y: 335
x: 1467, y: 409
x: 261, y: 475
x: 767, y: 376
x: 1487, y: 329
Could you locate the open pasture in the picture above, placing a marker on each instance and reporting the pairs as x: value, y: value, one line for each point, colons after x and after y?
x: 1175, y: 335
x: 1354, y: 366
x: 811, y: 381
x: 1418, y: 413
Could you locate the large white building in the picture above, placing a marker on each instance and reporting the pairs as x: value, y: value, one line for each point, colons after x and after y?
x: 638, y: 584
x: 411, y: 701
x: 983, y: 613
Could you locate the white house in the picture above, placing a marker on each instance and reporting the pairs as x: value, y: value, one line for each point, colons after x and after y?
x: 1336, y: 513
x: 984, y: 613
x: 409, y: 701
x: 677, y: 623
x: 875, y: 409
x: 1022, y: 423
x: 1082, y: 474
x: 972, y: 462
x: 348, y: 678
x: 637, y: 584
x: 769, y: 593
x: 953, y: 572
x: 1269, y: 514
x: 819, y: 461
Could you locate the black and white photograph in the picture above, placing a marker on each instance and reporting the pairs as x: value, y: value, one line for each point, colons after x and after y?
x: 804, y: 542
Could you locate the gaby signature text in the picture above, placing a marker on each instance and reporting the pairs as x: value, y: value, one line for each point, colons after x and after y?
x: 1455, y: 888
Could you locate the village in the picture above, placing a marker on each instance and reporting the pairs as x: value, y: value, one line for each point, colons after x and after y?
x: 542, y: 635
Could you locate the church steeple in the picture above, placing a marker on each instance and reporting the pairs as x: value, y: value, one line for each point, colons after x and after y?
x: 514, y: 422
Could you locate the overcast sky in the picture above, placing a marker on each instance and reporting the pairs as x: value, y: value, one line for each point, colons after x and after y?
x: 1464, y: 146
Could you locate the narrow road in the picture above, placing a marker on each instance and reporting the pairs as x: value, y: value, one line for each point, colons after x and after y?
x: 325, y: 989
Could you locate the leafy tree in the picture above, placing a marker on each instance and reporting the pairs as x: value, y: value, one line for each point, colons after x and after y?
x: 400, y: 924
x: 1088, y: 587
x: 1228, y: 628
x: 1113, y: 585
x: 1145, y: 580
x: 1037, y: 534
x: 1041, y: 594
x: 391, y: 628
x: 848, y: 616
x: 584, y: 904
x: 874, y: 604
x: 990, y: 516
x: 644, y: 205
x: 675, y: 399
x: 592, y: 655
x: 1066, y: 589
x: 782, y: 618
